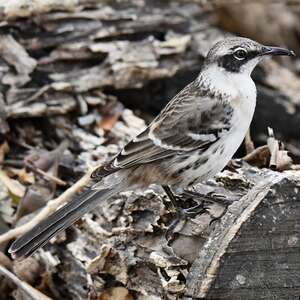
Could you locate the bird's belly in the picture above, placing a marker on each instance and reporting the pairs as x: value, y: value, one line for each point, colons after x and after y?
x: 202, y: 166
x: 208, y: 164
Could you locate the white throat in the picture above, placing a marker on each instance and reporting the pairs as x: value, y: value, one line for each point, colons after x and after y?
x: 231, y: 85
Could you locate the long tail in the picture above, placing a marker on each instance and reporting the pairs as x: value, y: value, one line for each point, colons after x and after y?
x: 58, y: 221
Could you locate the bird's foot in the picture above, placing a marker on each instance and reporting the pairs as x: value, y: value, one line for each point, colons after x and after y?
x: 183, y: 214
x: 204, y: 202
x: 211, y: 197
x: 193, y: 211
x: 207, y: 199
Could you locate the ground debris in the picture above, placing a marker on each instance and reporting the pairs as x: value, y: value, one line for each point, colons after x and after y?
x: 78, y: 80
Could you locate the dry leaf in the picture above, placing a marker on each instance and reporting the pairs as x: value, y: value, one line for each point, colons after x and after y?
x: 28, y: 269
x: 117, y: 293
x: 4, y: 148
x: 26, y: 177
x: 14, y: 187
x: 111, y: 115
x: 108, y: 123
x: 259, y: 157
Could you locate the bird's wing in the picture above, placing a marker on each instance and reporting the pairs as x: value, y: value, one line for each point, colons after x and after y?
x: 192, y: 120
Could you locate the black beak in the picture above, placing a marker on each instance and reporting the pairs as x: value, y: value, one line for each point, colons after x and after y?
x: 277, y: 51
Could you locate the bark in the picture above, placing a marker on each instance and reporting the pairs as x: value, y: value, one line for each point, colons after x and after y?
x: 60, y: 59
x: 252, y: 253
x: 74, y: 70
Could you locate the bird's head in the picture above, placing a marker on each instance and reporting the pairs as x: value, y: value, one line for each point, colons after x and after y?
x: 240, y: 55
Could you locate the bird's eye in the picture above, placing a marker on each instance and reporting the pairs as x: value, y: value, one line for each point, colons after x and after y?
x: 240, y: 54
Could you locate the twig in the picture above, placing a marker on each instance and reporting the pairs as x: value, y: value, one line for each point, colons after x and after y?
x: 37, y: 94
x: 47, y: 210
x: 14, y: 163
x: 30, y: 291
x: 249, y: 145
x: 274, y: 148
x: 256, y: 154
x: 295, y: 167
x: 48, y: 176
x: 279, y: 160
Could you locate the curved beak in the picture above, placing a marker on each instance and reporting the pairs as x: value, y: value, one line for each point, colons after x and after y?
x: 277, y: 51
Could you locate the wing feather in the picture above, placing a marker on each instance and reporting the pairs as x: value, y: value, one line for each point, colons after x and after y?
x: 192, y: 120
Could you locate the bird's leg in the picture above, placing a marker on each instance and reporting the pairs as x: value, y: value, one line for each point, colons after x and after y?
x: 170, y: 195
x: 188, y: 212
x: 181, y: 213
x: 211, y: 198
x: 208, y: 197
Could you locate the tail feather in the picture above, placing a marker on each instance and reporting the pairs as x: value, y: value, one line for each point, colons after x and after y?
x: 64, y: 217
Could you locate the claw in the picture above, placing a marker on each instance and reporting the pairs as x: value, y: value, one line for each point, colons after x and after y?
x: 190, y: 212
x: 213, y: 220
x: 194, y: 210
x: 218, y: 218
x: 184, y: 213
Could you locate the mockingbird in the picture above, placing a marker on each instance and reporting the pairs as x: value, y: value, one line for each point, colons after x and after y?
x: 191, y: 140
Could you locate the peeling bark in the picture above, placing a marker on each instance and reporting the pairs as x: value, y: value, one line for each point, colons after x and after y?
x: 67, y: 69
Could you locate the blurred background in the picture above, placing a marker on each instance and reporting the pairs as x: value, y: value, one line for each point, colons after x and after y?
x: 79, y: 79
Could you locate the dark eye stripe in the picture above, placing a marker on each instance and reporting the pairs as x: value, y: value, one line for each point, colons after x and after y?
x: 253, y: 53
x: 230, y: 63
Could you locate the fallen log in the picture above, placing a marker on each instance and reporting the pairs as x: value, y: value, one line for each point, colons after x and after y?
x: 252, y: 253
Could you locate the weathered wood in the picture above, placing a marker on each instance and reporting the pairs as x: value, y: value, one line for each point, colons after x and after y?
x: 127, y: 51
x: 252, y: 254
x: 63, y: 79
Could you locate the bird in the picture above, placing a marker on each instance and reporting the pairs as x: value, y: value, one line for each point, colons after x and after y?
x: 191, y: 140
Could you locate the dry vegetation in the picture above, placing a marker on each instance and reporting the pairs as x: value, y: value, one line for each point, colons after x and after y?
x: 79, y: 79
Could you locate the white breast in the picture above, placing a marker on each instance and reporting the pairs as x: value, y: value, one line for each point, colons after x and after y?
x: 242, y: 91
x: 243, y: 100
